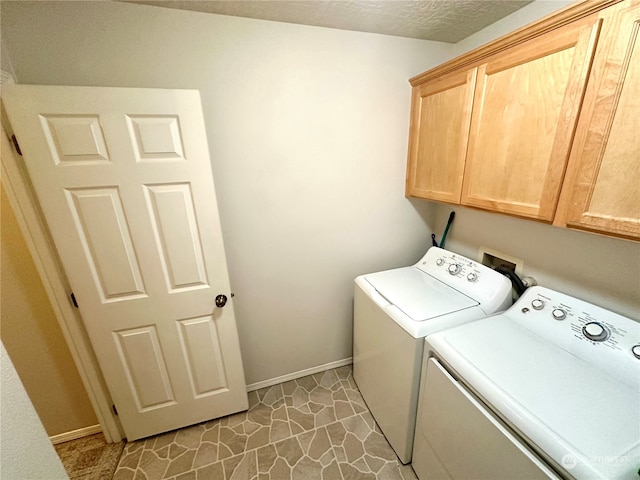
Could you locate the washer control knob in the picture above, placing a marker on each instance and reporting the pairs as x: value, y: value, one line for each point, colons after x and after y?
x: 559, y: 314
x: 472, y: 277
x: 636, y: 351
x: 537, y: 304
x: 440, y: 262
x: 595, y: 331
x: 454, y: 268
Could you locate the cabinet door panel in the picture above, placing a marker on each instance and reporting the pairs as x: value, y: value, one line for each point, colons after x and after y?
x: 525, y: 109
x: 602, y: 197
x: 439, y: 132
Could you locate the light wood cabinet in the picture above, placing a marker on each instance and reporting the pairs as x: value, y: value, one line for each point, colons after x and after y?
x: 525, y: 109
x: 440, y: 123
x: 602, y: 187
x: 547, y: 118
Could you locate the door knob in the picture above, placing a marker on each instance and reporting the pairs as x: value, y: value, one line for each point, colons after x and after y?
x: 221, y: 301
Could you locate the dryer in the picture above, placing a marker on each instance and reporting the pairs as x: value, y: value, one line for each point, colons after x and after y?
x: 394, y: 310
x: 549, y: 389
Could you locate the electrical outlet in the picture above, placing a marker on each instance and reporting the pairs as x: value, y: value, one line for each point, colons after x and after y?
x: 492, y: 259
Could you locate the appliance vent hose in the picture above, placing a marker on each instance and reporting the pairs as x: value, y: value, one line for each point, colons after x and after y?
x: 517, y: 282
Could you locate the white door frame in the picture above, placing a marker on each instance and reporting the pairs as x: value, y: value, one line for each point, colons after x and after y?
x: 22, y: 200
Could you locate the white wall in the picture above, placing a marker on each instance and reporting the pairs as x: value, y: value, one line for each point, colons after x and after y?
x: 601, y: 270
x: 307, y: 129
x: 33, y: 337
x: 25, y: 449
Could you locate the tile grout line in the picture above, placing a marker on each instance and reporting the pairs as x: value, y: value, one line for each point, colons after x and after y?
x: 333, y: 449
x: 138, y: 462
x: 218, y: 444
x: 255, y: 460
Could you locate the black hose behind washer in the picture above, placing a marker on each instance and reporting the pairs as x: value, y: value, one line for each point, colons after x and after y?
x: 517, y: 282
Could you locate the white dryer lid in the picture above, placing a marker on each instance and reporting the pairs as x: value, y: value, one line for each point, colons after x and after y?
x: 419, y: 295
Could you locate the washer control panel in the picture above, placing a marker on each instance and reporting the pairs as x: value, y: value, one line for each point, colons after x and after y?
x: 585, y: 330
x: 489, y: 288
x: 456, y: 265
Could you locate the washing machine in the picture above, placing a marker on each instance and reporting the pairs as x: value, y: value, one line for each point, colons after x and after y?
x: 394, y: 310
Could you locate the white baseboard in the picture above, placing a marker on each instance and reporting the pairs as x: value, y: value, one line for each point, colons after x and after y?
x: 299, y: 374
x: 75, y: 434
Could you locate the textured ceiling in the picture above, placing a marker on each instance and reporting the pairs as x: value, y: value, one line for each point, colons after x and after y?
x: 438, y: 20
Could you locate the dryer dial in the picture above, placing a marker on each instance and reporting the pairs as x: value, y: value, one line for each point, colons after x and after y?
x: 455, y: 268
x: 595, y: 331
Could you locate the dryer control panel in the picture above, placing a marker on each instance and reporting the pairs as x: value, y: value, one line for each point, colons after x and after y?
x: 603, y: 338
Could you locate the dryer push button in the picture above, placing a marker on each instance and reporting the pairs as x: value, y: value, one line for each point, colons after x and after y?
x: 537, y: 304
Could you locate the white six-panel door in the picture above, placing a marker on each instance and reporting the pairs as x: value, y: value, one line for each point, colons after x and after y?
x: 124, y: 180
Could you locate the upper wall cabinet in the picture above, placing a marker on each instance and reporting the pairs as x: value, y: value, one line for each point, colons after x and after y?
x: 525, y: 108
x: 538, y: 124
x: 440, y: 121
x: 601, y: 190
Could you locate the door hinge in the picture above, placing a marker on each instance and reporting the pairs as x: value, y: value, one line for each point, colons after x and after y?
x: 115, y: 410
x: 16, y: 144
x: 73, y: 300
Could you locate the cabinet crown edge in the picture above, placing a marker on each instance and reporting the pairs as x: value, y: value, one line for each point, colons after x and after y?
x: 546, y: 24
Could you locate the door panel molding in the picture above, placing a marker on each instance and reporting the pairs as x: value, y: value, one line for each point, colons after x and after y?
x: 98, y: 214
x: 141, y: 356
x: 182, y: 259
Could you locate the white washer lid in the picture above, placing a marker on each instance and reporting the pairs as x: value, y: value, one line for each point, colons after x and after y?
x: 419, y: 295
x: 563, y: 404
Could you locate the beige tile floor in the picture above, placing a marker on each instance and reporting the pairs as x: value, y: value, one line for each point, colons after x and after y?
x: 313, y: 428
